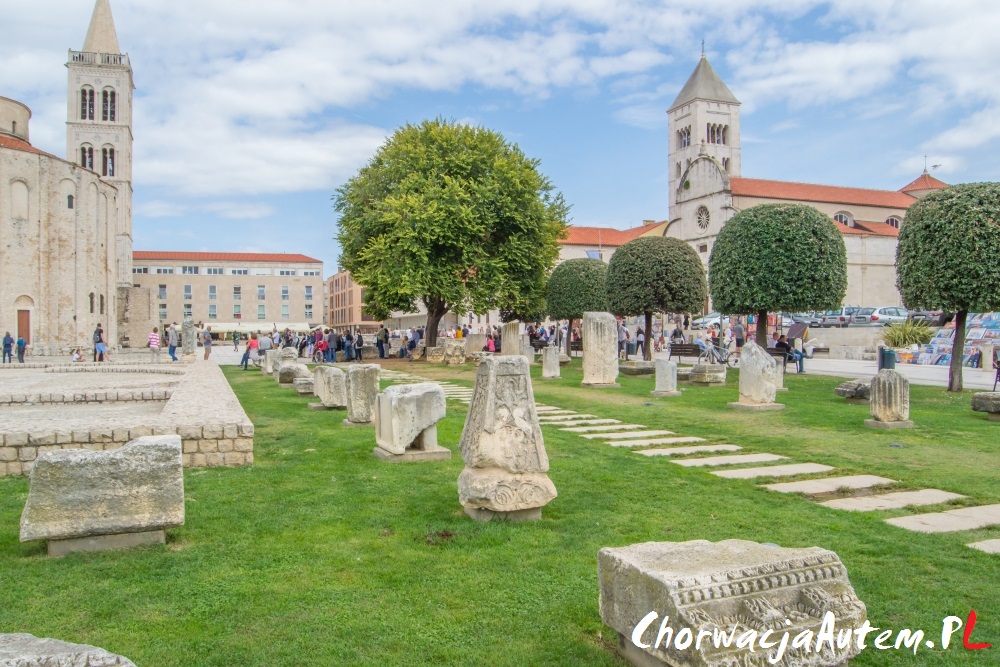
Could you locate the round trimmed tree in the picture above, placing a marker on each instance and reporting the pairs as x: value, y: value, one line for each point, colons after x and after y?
x: 575, y: 287
x: 948, y: 258
x: 777, y: 257
x: 655, y: 273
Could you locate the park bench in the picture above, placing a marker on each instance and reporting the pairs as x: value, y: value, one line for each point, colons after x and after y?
x: 683, y: 350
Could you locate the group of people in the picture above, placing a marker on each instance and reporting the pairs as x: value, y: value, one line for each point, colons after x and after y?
x: 9, y: 345
x: 320, y: 345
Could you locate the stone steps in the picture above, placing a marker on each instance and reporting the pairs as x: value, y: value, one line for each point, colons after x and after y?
x: 966, y: 518
x: 555, y: 419
x: 582, y: 422
x: 603, y: 431
x: 892, y: 501
x: 815, y: 487
x: 729, y: 460
x: 623, y: 436
x: 680, y: 451
x: 774, y: 471
x: 678, y: 440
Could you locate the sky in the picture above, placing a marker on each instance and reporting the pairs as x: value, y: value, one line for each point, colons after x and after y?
x: 250, y: 114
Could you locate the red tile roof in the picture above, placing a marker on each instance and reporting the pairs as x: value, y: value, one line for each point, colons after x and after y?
x: 601, y: 236
x: 139, y: 255
x: 756, y: 187
x: 8, y: 141
x: 924, y: 182
x: 867, y: 228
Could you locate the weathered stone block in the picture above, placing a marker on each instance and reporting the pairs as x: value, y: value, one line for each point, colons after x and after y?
x: 267, y: 366
x: 502, y: 445
x: 510, y: 338
x: 600, y: 350
x: 706, y: 374
x: 637, y: 367
x: 330, y: 386
x: 212, y: 431
x: 24, y: 650
x: 758, y: 374
x: 890, y: 400
x: 454, y: 353
x: 666, y: 379
x: 288, y: 372
x: 550, y: 363
x: 135, y: 488
x: 406, y: 417
x: 8, y: 454
x: 303, y: 386
x: 729, y: 586
x: 986, y: 401
x: 362, y: 391
x: 435, y: 355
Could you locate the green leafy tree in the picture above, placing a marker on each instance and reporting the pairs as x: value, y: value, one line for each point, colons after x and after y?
x: 655, y: 273
x: 948, y: 257
x: 454, y: 217
x: 575, y: 287
x: 777, y: 257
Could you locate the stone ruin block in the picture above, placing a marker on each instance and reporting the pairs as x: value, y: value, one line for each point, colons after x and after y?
x: 24, y: 650
x: 550, y: 363
x: 267, y: 365
x: 890, y: 401
x: 855, y: 391
x: 287, y: 354
x: 362, y: 391
x: 304, y: 386
x: 510, y: 338
x: 406, y: 418
x: 330, y: 386
x: 726, y: 587
x: 988, y: 402
x: 505, y: 460
x: 707, y: 374
x: 637, y: 367
x: 666, y: 379
x: 289, y: 372
x: 758, y: 372
x: 81, y: 500
x: 600, y: 350
x: 454, y: 353
x: 435, y: 355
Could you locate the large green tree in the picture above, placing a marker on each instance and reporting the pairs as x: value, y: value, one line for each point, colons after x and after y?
x: 948, y: 257
x: 452, y: 216
x: 777, y: 257
x: 575, y: 287
x: 655, y: 273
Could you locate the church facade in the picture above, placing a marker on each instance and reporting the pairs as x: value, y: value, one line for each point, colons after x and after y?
x: 66, y: 224
x: 707, y: 188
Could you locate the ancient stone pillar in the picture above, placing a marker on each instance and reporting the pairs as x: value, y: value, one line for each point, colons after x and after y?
x: 708, y: 374
x: 454, y: 353
x: 666, y: 379
x: 362, y: 391
x: 550, y: 363
x: 505, y: 460
x: 600, y: 350
x: 510, y: 338
x: 757, y: 379
x: 189, y: 340
x: 330, y: 386
x: 889, y: 401
x: 406, y: 418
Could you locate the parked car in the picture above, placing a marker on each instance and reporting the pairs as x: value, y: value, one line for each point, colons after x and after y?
x: 882, y: 316
x: 706, y: 320
x: 839, y: 317
x: 932, y: 318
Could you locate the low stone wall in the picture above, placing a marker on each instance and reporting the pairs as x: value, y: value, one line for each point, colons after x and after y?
x: 87, y: 397
x: 124, y: 368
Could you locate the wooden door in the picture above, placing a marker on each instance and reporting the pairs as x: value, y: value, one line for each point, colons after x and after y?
x: 24, y: 325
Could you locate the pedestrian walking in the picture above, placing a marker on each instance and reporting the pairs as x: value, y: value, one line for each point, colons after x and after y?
x: 206, y: 339
x: 236, y: 341
x: 21, y: 345
x: 100, y: 345
x: 172, y: 342
x: 153, y: 343
x: 8, y: 348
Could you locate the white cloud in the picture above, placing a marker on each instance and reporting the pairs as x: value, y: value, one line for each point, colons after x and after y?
x: 160, y: 209
x: 240, y: 210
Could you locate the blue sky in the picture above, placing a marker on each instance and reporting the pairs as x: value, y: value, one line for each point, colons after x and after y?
x: 249, y: 114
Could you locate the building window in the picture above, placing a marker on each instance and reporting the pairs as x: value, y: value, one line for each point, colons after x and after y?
x: 704, y: 218
x: 684, y: 137
x: 309, y: 312
x: 237, y: 293
x: 69, y: 201
x: 284, y: 311
x: 237, y: 272
x: 108, y: 105
x: 844, y: 218
x: 286, y: 272
x: 703, y: 248
x: 213, y: 311
x: 309, y: 292
x: 725, y: 164
x: 213, y: 271
x: 108, y: 161
x: 262, y: 272
x: 87, y: 104
x: 893, y: 221
x: 284, y: 293
x: 163, y: 292
x: 310, y: 273
x: 189, y: 270
x: 91, y: 303
x: 261, y: 312
x: 163, y: 312
x: 140, y: 269
x: 87, y: 157
x: 102, y: 304
x: 187, y: 310
x: 212, y: 293
x: 261, y: 293
x: 237, y: 311
x: 187, y: 292
x: 165, y: 270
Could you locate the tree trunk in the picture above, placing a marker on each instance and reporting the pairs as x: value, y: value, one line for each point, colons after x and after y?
x: 762, y: 329
x: 647, y: 339
x: 955, y: 370
x: 569, y: 337
x: 436, y: 308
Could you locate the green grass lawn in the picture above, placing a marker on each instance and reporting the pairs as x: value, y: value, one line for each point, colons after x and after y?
x: 322, y: 555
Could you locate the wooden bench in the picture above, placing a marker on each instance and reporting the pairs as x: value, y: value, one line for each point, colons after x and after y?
x: 779, y: 354
x: 576, y: 346
x: 538, y: 344
x: 684, y: 350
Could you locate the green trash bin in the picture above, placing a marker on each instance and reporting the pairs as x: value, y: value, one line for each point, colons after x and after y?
x: 887, y: 358
x: 631, y: 348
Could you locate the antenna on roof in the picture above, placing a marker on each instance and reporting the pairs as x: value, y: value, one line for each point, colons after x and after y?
x: 703, y: 48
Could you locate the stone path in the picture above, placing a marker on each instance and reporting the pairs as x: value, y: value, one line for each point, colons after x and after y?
x: 815, y: 487
x: 729, y: 460
x: 773, y: 471
x: 892, y: 501
x: 681, y: 451
x: 966, y: 518
x: 989, y: 546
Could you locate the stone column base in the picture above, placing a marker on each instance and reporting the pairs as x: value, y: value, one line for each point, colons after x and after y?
x: 59, y: 548
x: 480, y: 514
x: 756, y: 407
x: 874, y: 423
x: 429, y: 453
x: 348, y: 422
x: 613, y: 385
x: 320, y: 406
x: 664, y: 394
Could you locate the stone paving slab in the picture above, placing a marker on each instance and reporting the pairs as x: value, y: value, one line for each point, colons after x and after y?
x: 989, y: 546
x: 677, y: 440
x: 570, y: 417
x: 729, y: 460
x: 680, y: 451
x: 546, y: 408
x: 773, y: 471
x: 815, y: 487
x: 582, y: 422
x: 966, y: 518
x: 892, y: 501
x: 622, y: 436
x: 601, y: 429
x: 558, y: 414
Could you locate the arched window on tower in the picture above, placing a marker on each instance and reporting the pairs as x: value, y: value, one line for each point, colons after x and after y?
x: 108, y: 103
x: 893, y: 221
x: 91, y: 303
x: 87, y: 103
x: 102, y: 304
x: 725, y: 164
x: 678, y: 170
x: 725, y: 135
x: 69, y: 201
x: 684, y: 137
x: 107, y: 161
x: 844, y: 218
x: 87, y: 157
